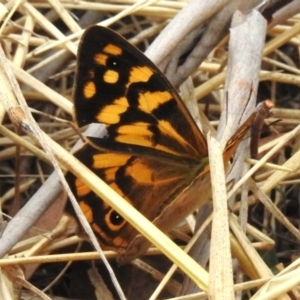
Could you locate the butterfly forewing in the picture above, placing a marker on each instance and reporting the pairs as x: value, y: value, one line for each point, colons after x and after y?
x: 118, y: 86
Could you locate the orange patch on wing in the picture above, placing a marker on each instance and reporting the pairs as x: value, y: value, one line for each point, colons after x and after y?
x: 100, y: 59
x: 111, y: 76
x: 110, y: 114
x: 144, y: 141
x: 87, y: 211
x: 89, y: 90
x: 139, y: 134
x: 123, y: 101
x: 81, y: 188
x: 152, y: 100
x: 134, y: 140
x: 120, y: 242
x: 108, y: 160
x: 112, y: 49
x: 110, y: 174
x: 139, y: 74
x: 138, y: 129
x: 140, y: 172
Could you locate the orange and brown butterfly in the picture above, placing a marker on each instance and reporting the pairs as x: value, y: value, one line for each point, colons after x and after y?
x: 152, y: 150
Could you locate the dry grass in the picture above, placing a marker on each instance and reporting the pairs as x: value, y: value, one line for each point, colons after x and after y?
x: 230, y: 74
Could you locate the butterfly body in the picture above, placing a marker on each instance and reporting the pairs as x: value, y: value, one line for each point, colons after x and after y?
x: 152, y: 152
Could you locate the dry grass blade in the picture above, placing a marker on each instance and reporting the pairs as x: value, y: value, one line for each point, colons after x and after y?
x: 15, y: 274
x: 285, y: 281
x: 220, y: 285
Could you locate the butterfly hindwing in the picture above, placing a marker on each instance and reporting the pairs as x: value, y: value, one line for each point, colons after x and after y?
x: 140, y: 179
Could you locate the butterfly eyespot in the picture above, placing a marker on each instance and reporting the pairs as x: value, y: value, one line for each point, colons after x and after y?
x: 113, y: 63
x: 116, y: 219
x: 113, y: 220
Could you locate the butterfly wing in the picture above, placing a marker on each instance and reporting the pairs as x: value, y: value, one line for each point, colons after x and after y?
x: 149, y: 183
x: 120, y: 87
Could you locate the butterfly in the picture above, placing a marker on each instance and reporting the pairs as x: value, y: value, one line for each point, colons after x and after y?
x: 152, y: 152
